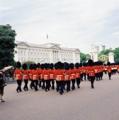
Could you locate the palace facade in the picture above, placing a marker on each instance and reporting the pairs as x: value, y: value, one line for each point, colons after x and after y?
x: 45, y: 53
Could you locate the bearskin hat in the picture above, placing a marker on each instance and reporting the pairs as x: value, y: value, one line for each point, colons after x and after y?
x: 71, y: 66
x: 90, y: 62
x: 18, y: 65
x: 24, y: 66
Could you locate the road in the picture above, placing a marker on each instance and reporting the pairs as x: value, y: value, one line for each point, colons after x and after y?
x: 101, y: 103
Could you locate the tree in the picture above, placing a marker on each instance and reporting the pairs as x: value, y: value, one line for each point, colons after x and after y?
x: 84, y: 57
x: 116, y: 54
x: 103, y: 55
x: 7, y: 45
x: 105, y: 52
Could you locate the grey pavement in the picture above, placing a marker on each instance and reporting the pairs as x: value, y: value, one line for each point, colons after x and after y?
x: 101, y: 103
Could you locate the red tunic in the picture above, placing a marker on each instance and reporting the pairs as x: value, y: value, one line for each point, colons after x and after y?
x: 52, y: 74
x: 35, y: 74
x: 59, y: 75
x: 46, y: 75
x: 66, y: 75
x: 78, y: 73
x: 30, y: 74
x: 25, y: 74
x: 39, y: 73
x: 18, y: 74
x: 109, y: 69
x: 91, y: 71
x: 72, y: 74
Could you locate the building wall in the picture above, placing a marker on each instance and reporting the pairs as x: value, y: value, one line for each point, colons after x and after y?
x: 45, y: 54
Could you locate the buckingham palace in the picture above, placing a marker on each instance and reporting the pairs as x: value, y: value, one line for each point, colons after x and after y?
x: 45, y: 53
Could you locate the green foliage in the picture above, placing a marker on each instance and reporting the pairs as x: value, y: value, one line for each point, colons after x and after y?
x: 7, y: 45
x: 105, y: 52
x: 103, y: 55
x: 116, y: 54
x: 103, y: 58
x: 84, y: 57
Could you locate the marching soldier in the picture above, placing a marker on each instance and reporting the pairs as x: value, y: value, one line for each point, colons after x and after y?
x: 31, y: 76
x: 60, y: 77
x: 109, y: 70
x: 35, y: 77
x: 39, y: 74
x: 67, y: 76
x: 77, y: 74
x: 25, y: 76
x: 46, y: 77
x: 72, y: 75
x: 18, y: 76
x: 52, y: 76
x: 91, y: 72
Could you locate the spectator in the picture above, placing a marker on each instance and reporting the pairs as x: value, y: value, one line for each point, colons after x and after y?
x: 2, y: 85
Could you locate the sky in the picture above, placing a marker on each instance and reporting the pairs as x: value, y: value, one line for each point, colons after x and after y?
x: 71, y: 23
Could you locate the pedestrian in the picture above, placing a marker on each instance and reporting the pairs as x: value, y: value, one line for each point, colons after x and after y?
x: 2, y: 85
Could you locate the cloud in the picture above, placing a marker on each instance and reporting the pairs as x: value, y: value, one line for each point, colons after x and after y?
x: 72, y: 23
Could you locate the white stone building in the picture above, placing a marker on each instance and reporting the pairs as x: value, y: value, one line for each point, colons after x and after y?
x: 111, y: 57
x: 45, y: 53
x: 94, y: 52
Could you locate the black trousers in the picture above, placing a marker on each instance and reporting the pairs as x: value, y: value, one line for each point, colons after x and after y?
x: 68, y: 85
x: 52, y: 84
x: 47, y: 85
x: 19, y: 83
x: 73, y: 84
x: 31, y: 84
x: 1, y: 91
x: 78, y: 82
x: 92, y: 79
x: 39, y: 83
x: 43, y: 84
x: 57, y: 85
x: 25, y: 85
x: 35, y: 84
x: 61, y: 87
x: 109, y: 74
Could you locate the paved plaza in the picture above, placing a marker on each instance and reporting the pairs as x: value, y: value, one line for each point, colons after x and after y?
x: 101, y: 103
